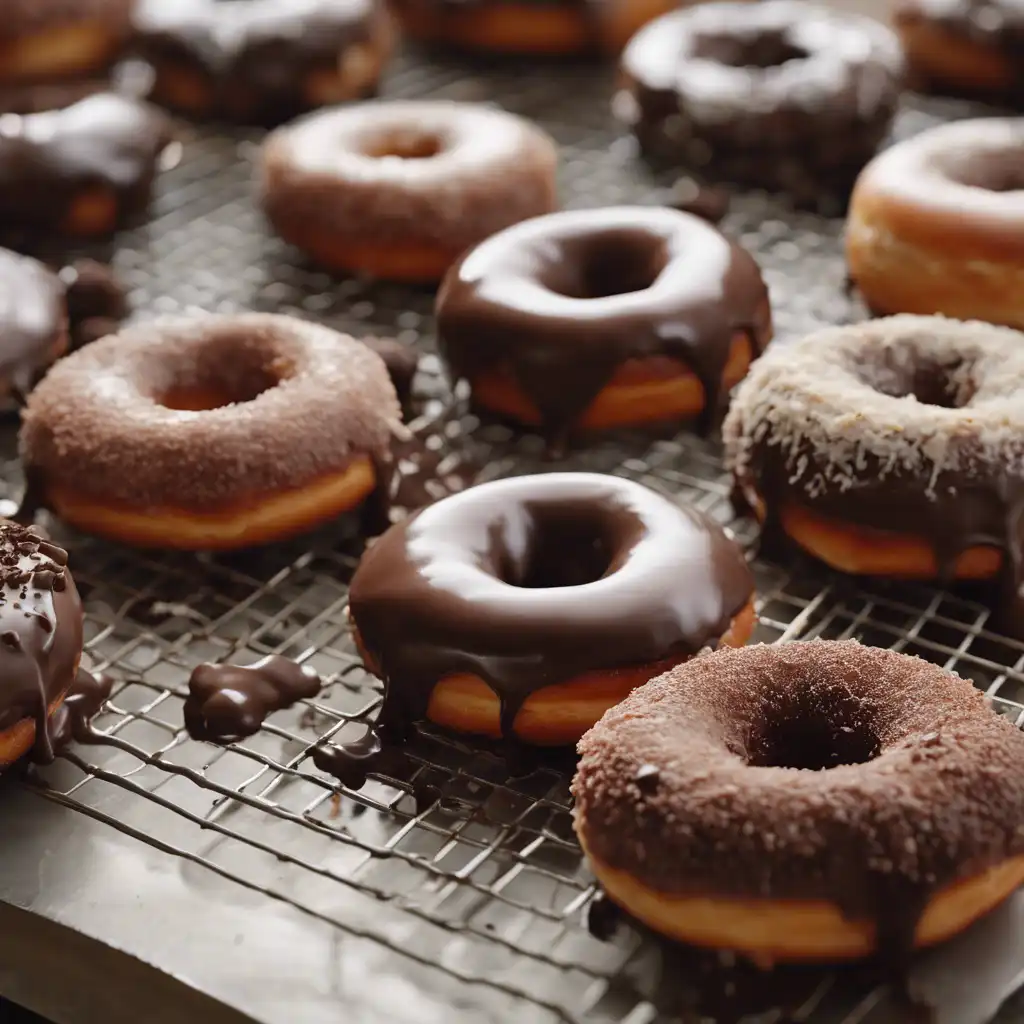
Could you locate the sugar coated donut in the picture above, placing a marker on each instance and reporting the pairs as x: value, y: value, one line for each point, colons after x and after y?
x: 936, y: 224
x: 526, y: 607
x: 46, y: 39
x: 33, y: 321
x: 80, y: 170
x: 40, y: 640
x: 399, y: 190
x: 965, y: 47
x: 210, y: 433
x: 603, y: 318
x: 806, y: 801
x: 261, y: 61
x: 519, y: 26
x: 781, y: 95
x: 890, y: 448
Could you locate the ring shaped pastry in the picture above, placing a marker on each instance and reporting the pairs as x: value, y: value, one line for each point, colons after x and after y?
x: 805, y: 801
x: 211, y: 433
x: 965, y: 47
x: 81, y: 170
x: 526, y: 607
x: 518, y: 26
x: 782, y: 95
x: 603, y: 318
x: 261, y: 61
x: 40, y: 641
x: 890, y: 448
x: 936, y: 224
x: 48, y: 39
x: 399, y: 190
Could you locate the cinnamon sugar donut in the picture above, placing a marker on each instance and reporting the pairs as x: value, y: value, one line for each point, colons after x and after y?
x: 890, y: 448
x: 210, y: 433
x: 805, y: 801
x: 936, y: 224
x: 399, y: 190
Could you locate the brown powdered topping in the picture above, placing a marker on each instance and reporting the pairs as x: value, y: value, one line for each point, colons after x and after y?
x: 414, y: 171
x: 925, y: 783
x: 303, y: 400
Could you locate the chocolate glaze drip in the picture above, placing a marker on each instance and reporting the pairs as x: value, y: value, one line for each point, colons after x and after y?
x: 562, y: 302
x: 40, y: 631
x: 228, y: 702
x: 532, y: 581
x: 33, y: 320
x: 48, y: 159
x: 84, y: 701
x: 255, y: 55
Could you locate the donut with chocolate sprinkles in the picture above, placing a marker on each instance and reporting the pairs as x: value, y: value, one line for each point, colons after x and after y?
x: 890, y: 448
x: 807, y: 801
x: 41, y: 40
x: 40, y: 641
x: 399, y: 190
x: 212, y: 432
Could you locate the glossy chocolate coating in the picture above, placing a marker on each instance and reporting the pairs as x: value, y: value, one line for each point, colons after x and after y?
x: 563, y: 301
x: 227, y: 702
x: 533, y: 581
x: 255, y: 55
x: 40, y: 631
x: 33, y: 321
x: 84, y: 701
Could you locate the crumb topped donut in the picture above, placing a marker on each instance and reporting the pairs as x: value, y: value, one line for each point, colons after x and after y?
x: 211, y: 432
x: 804, y: 801
x: 890, y: 448
x: 80, y: 170
x: 399, y: 190
x: 601, y: 318
x: 526, y: 607
x: 47, y: 39
x: 936, y: 224
x: 261, y: 61
x: 965, y: 47
x: 781, y: 95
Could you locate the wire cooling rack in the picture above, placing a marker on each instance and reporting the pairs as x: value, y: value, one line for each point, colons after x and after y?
x: 477, y: 892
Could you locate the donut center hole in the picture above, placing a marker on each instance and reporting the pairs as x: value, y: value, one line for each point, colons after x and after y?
x: 991, y: 171
x: 815, y: 741
x: 558, y: 550
x: 607, y: 267
x: 410, y: 145
x: 763, y: 50
x: 216, y: 391
x: 945, y: 386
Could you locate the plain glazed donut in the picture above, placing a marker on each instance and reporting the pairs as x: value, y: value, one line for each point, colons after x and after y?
x: 780, y: 95
x: 526, y: 607
x: 261, y: 61
x: 399, y: 190
x: 40, y: 641
x: 936, y: 224
x: 81, y: 170
x: 965, y: 47
x: 210, y: 433
x: 47, y: 39
x: 806, y: 801
x: 557, y: 27
x: 890, y: 448
x: 603, y: 318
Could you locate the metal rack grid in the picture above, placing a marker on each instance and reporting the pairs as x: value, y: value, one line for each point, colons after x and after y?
x: 479, y: 892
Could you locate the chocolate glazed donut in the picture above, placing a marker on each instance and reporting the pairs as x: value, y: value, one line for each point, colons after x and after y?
x: 594, y: 318
x: 528, y: 606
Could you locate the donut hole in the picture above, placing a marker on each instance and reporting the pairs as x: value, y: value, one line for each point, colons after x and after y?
x: 762, y: 50
x: 992, y: 171
x: 915, y: 375
x: 604, y: 268
x: 561, y: 550
x: 216, y: 390
x: 405, y: 145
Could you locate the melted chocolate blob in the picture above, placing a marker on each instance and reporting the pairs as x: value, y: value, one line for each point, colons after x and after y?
x: 402, y: 362
x: 228, y: 702
x: 603, y: 917
x: 40, y: 631
x: 33, y: 321
x: 561, y: 302
x: 84, y: 701
x: 93, y: 295
x: 532, y: 581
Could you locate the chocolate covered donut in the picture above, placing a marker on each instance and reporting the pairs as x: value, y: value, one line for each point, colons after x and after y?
x: 600, y: 318
x: 261, y: 60
x: 804, y: 801
x: 81, y: 170
x: 781, y: 95
x: 399, y: 190
x: 528, y: 606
